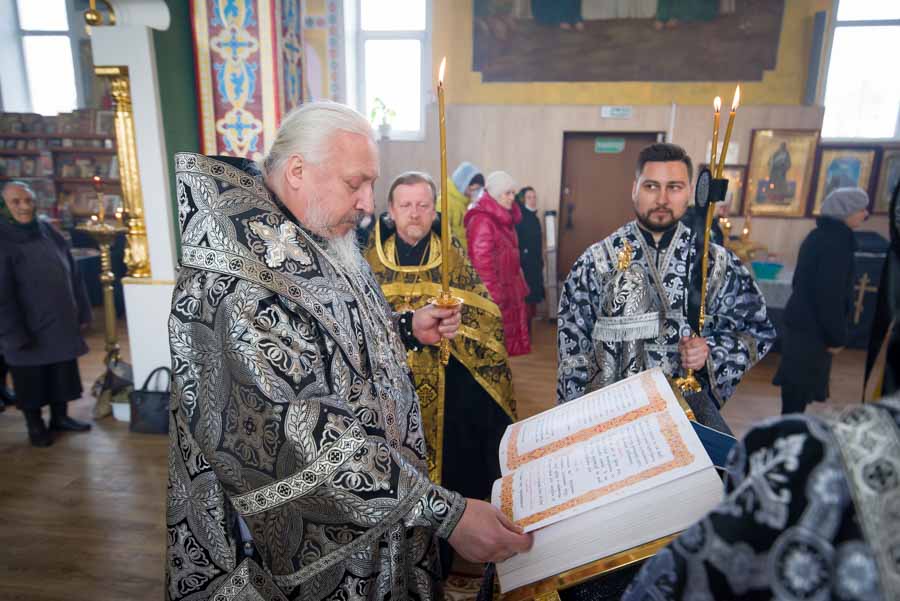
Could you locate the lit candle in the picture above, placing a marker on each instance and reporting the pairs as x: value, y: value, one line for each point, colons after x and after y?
x: 445, y: 186
x: 734, y: 106
x: 717, y: 107
x: 101, y: 209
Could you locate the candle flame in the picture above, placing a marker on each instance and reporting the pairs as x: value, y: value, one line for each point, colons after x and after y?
x: 96, y: 179
x: 737, y: 98
x: 717, y: 104
x: 441, y: 71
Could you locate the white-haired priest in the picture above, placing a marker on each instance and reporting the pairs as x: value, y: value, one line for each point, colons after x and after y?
x: 297, y: 461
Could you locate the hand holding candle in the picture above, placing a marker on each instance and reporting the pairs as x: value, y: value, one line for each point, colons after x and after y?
x: 689, y: 383
x: 445, y: 300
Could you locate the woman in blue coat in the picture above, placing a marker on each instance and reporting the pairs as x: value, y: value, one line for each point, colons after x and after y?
x: 43, y: 308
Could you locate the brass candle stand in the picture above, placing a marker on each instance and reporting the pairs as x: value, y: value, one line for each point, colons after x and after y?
x: 105, y: 234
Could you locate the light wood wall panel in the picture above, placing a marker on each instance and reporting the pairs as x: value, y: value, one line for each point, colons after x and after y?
x: 527, y: 141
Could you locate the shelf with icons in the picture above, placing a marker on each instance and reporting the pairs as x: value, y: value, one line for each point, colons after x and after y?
x: 75, y: 165
x: 58, y: 157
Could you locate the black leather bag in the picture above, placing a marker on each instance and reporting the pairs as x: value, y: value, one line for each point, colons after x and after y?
x: 150, y: 408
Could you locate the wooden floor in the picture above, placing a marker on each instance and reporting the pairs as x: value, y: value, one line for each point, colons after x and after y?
x: 84, y: 519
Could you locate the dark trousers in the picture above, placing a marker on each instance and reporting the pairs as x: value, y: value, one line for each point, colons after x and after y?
x: 794, y: 399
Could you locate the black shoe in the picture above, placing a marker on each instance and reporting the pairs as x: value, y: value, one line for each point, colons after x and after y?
x: 40, y: 438
x: 6, y: 396
x: 37, y: 429
x: 64, y: 423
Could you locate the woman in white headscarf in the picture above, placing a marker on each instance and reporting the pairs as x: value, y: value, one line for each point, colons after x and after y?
x: 494, y: 252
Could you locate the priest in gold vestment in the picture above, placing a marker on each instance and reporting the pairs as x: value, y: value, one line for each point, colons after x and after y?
x: 467, y: 405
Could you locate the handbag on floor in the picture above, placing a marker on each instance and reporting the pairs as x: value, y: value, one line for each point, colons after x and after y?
x: 150, y: 408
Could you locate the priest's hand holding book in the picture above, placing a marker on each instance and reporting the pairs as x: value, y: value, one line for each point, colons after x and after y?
x: 485, y: 534
x: 694, y: 352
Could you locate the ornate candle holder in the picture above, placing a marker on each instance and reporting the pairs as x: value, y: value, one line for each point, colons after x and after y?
x: 105, y: 234
x: 445, y: 301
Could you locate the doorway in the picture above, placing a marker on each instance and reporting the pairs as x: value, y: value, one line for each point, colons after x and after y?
x: 598, y: 173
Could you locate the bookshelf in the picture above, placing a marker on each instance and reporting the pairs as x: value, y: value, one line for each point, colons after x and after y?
x: 59, y: 156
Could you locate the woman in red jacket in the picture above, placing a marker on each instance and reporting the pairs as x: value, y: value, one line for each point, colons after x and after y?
x: 494, y: 252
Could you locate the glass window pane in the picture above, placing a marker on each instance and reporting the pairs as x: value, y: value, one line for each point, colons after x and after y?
x: 861, y: 10
x: 860, y: 100
x: 392, y: 15
x: 51, y: 74
x: 45, y: 15
x: 394, y: 75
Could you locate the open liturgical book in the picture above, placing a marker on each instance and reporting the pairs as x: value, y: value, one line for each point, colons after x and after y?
x: 610, y: 471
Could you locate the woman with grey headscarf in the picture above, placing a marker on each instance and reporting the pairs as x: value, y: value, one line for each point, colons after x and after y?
x: 817, y: 316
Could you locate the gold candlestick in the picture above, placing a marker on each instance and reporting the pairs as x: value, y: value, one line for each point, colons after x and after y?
x: 734, y: 106
x: 689, y: 382
x: 105, y: 235
x: 445, y: 300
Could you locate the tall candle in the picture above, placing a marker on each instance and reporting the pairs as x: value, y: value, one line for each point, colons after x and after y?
x: 101, y: 203
x: 445, y: 186
x: 717, y: 106
x: 734, y: 106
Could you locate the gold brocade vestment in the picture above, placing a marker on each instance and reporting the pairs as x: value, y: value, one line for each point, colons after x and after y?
x: 479, y: 346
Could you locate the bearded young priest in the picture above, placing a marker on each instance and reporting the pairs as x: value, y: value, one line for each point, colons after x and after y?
x: 624, y: 306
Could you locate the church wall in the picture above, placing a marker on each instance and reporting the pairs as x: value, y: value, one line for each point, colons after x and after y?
x: 519, y: 127
x: 783, y: 85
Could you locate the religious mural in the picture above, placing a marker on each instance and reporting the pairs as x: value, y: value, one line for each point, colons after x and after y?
x: 625, y: 40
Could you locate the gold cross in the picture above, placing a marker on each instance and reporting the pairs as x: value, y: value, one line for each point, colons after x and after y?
x: 861, y: 288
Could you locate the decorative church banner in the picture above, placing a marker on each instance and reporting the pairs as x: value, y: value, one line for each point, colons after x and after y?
x: 251, y: 57
x: 323, y: 50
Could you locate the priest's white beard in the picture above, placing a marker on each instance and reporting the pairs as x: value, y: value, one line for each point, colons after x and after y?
x: 344, y: 250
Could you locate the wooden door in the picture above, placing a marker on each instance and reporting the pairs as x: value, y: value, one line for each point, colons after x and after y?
x: 598, y: 173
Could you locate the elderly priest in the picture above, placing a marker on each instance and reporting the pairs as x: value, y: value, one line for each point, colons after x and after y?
x: 297, y: 461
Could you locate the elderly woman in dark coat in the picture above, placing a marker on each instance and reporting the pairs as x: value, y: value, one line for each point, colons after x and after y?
x: 43, y: 306
x: 816, y: 319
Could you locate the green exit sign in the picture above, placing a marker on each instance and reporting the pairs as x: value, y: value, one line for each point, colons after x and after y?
x: 604, y: 145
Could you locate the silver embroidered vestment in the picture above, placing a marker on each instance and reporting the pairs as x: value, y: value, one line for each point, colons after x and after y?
x: 615, y: 320
x: 293, y: 408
